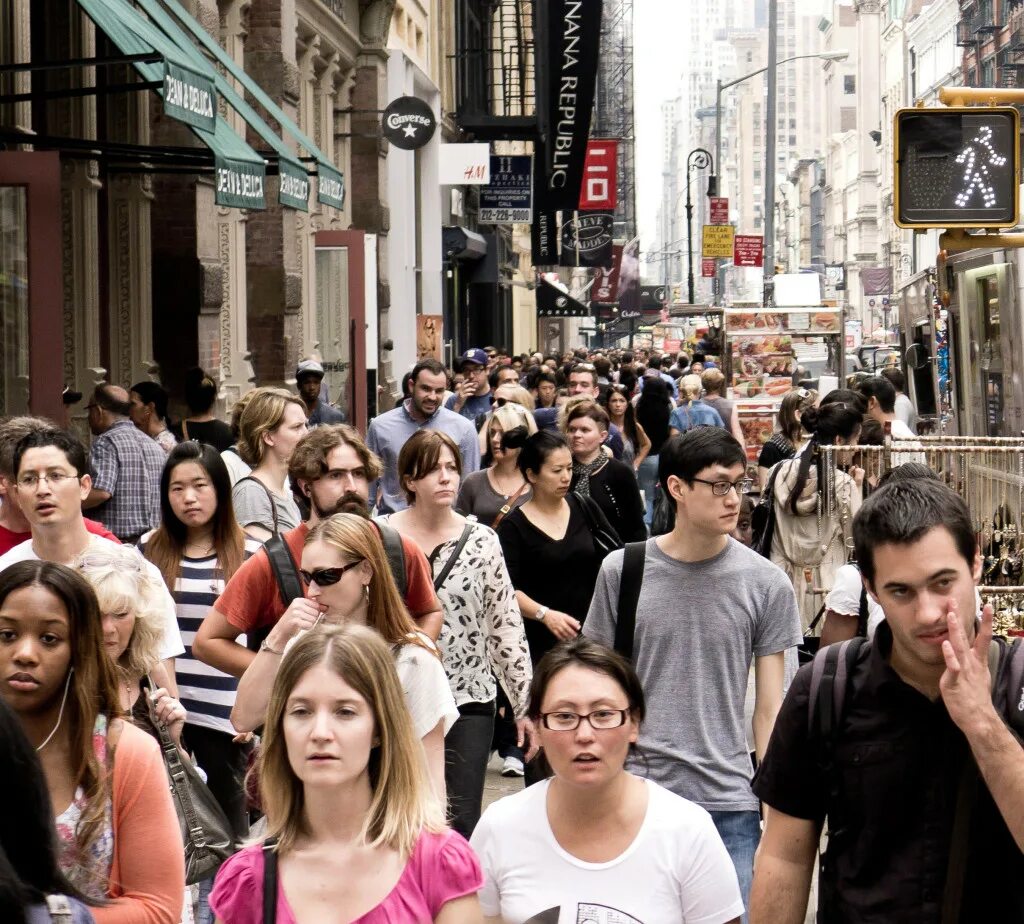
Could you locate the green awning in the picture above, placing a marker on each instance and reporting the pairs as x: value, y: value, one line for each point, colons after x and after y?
x: 189, y: 94
x: 330, y: 181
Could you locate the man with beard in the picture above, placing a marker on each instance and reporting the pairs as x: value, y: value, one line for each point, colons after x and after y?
x: 332, y: 468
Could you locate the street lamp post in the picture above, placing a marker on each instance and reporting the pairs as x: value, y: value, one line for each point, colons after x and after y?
x: 697, y: 159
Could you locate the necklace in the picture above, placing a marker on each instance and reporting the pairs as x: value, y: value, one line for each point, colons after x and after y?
x: 501, y: 489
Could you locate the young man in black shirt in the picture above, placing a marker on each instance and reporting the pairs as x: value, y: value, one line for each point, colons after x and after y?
x: 922, y: 781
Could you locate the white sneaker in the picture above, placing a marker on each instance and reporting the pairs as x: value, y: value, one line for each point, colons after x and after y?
x: 513, y: 766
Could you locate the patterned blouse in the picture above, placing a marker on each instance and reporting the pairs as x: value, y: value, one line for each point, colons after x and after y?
x: 483, y: 628
x: 91, y: 872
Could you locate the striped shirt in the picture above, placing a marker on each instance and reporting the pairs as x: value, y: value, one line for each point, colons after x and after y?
x: 207, y: 693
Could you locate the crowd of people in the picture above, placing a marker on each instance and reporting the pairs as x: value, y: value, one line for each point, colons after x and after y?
x: 256, y: 671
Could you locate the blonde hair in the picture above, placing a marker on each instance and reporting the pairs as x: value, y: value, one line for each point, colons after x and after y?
x: 403, y: 803
x: 713, y: 381
x: 690, y: 387
x: 123, y: 584
x: 507, y: 417
x: 356, y: 538
x: 517, y: 395
x: 262, y: 414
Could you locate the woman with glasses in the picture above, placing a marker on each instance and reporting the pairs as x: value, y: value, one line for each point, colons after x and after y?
x: 119, y: 842
x: 635, y: 444
x: 815, y: 506
x: 347, y: 576
x: 595, y: 842
x: 483, y: 635
x: 789, y: 438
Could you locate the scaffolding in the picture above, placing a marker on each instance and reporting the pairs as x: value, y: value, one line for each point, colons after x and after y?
x: 613, y: 106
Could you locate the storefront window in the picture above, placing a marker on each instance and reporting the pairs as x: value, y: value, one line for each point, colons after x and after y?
x: 14, y: 342
x: 332, y: 324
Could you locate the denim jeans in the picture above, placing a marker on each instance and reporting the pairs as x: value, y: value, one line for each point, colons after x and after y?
x: 647, y: 476
x: 466, y: 749
x: 741, y: 833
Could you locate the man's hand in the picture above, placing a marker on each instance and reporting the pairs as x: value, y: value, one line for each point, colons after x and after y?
x: 302, y: 614
x: 463, y: 392
x: 966, y: 685
x: 561, y: 625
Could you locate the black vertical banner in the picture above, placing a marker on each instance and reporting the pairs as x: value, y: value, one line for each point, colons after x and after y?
x: 544, y: 230
x: 573, y: 41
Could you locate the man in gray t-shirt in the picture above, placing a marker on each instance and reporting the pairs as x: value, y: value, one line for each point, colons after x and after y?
x: 708, y: 606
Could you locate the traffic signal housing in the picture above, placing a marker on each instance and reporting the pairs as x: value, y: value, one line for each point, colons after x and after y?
x: 957, y: 167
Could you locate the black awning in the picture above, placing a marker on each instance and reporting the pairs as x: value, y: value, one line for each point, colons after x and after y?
x: 554, y: 303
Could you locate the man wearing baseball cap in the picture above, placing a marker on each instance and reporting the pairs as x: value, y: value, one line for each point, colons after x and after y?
x: 308, y: 378
x: 473, y: 397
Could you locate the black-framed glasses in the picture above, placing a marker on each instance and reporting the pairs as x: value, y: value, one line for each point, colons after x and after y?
x: 31, y: 480
x: 325, y: 577
x: 721, y: 488
x: 600, y: 719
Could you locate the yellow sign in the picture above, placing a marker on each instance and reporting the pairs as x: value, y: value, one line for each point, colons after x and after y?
x: 718, y: 240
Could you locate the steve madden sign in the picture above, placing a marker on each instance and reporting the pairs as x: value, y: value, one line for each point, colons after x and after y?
x: 189, y: 97
x: 408, y: 123
x: 239, y: 184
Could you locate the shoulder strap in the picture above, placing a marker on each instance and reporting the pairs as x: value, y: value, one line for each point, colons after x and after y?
x: 270, y: 880
x: 629, y: 595
x: 184, y: 430
x: 289, y: 584
x: 509, y: 504
x: 831, y: 671
x: 454, y: 557
x: 270, y: 497
x: 395, y: 554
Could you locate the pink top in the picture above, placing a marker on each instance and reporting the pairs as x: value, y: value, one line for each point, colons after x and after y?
x: 442, y: 867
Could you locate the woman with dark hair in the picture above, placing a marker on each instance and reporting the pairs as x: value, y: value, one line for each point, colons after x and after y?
x: 149, y: 413
x: 814, y: 507
x: 635, y: 444
x: 118, y: 832
x: 482, y: 638
x: 198, y: 547
x: 594, y: 835
x: 606, y: 481
x: 29, y: 872
x: 201, y: 424
x: 653, y: 410
x: 787, y: 440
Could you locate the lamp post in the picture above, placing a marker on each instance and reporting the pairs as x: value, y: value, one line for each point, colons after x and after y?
x: 697, y: 159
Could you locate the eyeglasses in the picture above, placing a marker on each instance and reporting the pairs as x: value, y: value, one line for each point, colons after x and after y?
x: 600, y: 720
x: 31, y: 480
x: 119, y: 560
x: 325, y: 577
x: 721, y: 488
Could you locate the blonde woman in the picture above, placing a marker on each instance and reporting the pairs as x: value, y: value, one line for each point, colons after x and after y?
x: 269, y: 429
x: 354, y: 831
x: 692, y: 411
x: 484, y: 494
x: 347, y: 576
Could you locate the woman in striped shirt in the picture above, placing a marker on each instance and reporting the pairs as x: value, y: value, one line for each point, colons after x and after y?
x: 197, y: 548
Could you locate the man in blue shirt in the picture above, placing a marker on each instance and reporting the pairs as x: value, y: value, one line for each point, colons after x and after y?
x: 473, y: 396
x: 309, y: 377
x: 388, y: 432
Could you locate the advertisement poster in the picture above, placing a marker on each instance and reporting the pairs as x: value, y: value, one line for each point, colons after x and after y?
x: 508, y: 197
x: 428, y: 336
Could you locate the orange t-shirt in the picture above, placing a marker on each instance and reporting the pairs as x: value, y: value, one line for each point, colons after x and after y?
x: 251, y: 599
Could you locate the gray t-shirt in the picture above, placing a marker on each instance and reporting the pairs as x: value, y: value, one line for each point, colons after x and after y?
x: 253, y: 507
x: 698, y: 627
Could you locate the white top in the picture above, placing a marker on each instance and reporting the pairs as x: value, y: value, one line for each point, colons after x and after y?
x: 170, y: 645
x: 676, y: 871
x: 844, y: 597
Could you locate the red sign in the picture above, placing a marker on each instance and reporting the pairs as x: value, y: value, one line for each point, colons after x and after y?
x: 671, y: 346
x: 707, y: 267
x: 600, y: 176
x: 748, y: 250
x: 719, y: 210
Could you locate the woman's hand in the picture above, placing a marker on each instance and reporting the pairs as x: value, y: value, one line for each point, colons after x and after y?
x: 170, y: 712
x: 561, y: 625
x: 302, y: 614
x: 527, y: 738
x: 858, y: 475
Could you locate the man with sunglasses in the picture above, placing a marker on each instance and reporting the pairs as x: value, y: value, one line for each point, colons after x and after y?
x: 707, y: 607
x: 332, y: 468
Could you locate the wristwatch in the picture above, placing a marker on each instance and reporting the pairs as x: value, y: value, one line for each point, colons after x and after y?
x: 541, y: 613
x: 265, y: 646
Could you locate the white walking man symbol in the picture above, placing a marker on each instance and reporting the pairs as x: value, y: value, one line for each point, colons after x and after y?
x: 976, y: 163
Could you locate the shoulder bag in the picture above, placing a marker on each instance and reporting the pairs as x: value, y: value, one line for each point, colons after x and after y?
x: 605, y: 538
x: 509, y: 504
x: 762, y: 519
x: 205, y: 829
x: 448, y: 565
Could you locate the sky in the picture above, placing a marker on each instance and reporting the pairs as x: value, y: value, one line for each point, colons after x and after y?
x: 658, y: 40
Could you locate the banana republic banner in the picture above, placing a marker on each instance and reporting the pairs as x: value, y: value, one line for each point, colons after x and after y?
x: 573, y: 42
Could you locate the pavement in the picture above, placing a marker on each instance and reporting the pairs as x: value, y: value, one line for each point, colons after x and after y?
x: 496, y: 785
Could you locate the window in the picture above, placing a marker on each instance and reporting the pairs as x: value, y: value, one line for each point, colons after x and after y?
x: 792, y: 141
x: 849, y: 84
x: 792, y: 123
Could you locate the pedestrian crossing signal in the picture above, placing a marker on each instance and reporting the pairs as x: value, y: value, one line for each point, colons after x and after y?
x: 957, y: 167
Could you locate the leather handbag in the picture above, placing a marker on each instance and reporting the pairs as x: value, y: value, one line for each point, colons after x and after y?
x: 762, y: 519
x: 605, y: 538
x: 205, y: 829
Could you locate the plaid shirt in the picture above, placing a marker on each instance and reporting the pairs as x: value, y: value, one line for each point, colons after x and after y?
x: 126, y: 463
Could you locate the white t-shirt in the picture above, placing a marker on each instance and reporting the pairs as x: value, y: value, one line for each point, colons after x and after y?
x: 844, y: 597
x: 676, y: 871
x: 171, y: 645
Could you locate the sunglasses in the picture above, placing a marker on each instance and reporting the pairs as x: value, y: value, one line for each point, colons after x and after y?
x: 325, y: 577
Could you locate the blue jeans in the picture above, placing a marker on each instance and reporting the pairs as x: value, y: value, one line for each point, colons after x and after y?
x: 741, y: 833
x: 647, y: 476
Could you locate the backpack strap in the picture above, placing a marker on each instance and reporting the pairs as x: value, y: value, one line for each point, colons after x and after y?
x: 286, y: 573
x: 270, y: 497
x: 830, y: 677
x: 395, y: 554
x: 270, y: 880
x: 629, y: 595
